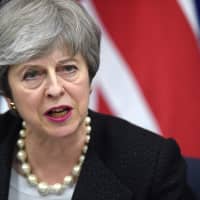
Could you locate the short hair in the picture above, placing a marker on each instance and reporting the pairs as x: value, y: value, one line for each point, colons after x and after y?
x: 32, y: 29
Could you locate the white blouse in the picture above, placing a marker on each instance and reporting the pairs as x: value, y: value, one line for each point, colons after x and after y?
x: 21, y: 190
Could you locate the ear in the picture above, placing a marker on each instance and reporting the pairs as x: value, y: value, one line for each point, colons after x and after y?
x: 8, y: 100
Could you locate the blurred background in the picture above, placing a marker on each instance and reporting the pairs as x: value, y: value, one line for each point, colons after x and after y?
x: 150, y: 69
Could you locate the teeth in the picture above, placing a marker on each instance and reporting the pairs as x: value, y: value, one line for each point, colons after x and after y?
x: 58, y: 114
x: 58, y: 110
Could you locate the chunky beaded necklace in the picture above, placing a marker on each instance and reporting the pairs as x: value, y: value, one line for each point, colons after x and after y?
x: 43, y: 187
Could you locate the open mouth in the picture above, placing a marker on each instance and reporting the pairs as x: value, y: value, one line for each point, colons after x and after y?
x: 58, y: 112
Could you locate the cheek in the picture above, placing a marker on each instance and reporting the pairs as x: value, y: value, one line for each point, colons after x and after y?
x: 81, y: 94
x: 26, y: 102
x: 17, y: 91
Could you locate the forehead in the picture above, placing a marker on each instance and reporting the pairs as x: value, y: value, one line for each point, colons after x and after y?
x: 54, y: 56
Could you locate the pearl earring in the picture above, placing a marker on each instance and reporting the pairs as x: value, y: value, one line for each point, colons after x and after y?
x: 12, y: 105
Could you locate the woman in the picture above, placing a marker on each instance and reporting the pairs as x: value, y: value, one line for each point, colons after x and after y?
x: 51, y: 146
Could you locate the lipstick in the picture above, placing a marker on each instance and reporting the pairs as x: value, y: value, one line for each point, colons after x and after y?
x: 59, y: 114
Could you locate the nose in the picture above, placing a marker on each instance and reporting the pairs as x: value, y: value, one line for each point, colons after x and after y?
x: 54, y: 87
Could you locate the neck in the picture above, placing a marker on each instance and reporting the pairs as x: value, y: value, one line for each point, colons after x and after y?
x: 48, y: 154
x: 63, y: 146
x: 53, y: 170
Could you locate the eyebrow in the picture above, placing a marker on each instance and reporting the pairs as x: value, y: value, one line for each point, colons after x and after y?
x: 61, y: 62
x: 66, y: 60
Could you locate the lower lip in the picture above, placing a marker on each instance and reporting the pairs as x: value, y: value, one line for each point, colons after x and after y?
x: 60, y: 119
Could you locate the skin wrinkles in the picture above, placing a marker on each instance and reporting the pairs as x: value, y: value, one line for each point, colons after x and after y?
x: 57, y: 88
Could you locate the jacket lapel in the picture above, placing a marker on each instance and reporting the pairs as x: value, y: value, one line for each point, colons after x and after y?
x: 7, y: 146
x: 97, y: 182
x: 5, y: 164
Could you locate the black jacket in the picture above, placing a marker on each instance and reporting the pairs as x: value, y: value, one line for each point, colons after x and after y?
x: 123, y: 162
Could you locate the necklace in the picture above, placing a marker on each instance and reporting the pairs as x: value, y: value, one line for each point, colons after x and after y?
x: 43, y: 187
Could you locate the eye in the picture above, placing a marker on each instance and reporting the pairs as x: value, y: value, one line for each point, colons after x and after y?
x: 33, y: 77
x: 31, y: 74
x: 67, y: 71
x: 69, y: 68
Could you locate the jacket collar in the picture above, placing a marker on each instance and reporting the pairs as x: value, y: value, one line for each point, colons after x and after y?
x: 98, y: 182
x: 10, y: 128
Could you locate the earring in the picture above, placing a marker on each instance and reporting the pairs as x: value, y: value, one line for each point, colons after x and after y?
x: 12, y: 105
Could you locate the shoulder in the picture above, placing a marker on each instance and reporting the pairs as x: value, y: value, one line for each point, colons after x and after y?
x: 120, y: 130
x: 9, y: 123
x: 7, y: 118
x: 139, y: 148
x: 139, y: 158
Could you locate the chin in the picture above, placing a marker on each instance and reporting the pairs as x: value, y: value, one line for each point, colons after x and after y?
x: 62, y: 131
x: 60, y: 134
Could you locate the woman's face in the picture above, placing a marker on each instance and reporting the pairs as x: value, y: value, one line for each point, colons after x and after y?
x: 52, y: 93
